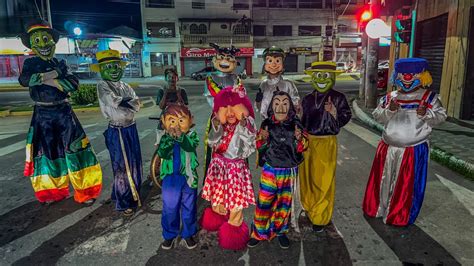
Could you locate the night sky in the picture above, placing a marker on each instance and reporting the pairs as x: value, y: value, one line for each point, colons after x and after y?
x: 96, y: 16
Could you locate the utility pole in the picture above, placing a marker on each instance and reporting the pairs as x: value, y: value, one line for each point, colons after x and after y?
x: 364, y: 39
x: 372, y: 59
x: 48, y: 9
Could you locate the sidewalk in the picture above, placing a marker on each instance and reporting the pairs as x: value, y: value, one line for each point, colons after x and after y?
x: 452, y: 145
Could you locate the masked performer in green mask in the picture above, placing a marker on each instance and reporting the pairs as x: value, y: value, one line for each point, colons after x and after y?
x: 325, y: 112
x: 119, y: 104
x: 58, y: 150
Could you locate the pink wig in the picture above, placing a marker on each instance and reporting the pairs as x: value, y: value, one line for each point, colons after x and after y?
x: 229, y: 97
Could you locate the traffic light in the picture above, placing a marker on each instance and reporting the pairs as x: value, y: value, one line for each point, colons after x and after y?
x: 364, y: 15
x: 403, y: 30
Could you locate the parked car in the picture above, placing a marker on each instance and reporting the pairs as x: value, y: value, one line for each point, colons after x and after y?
x: 201, y: 74
x: 83, y: 71
x: 243, y: 74
x: 342, y: 66
x: 382, y: 74
x: 384, y: 64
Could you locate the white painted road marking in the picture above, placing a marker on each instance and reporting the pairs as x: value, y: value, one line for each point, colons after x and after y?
x: 464, y: 195
x: 6, y: 136
x: 12, y: 148
x: 363, y: 133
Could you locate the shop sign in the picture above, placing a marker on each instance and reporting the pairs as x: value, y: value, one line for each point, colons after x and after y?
x: 208, y: 52
x: 300, y: 50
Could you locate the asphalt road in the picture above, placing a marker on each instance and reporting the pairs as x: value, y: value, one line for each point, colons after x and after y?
x: 193, y: 88
x: 66, y: 233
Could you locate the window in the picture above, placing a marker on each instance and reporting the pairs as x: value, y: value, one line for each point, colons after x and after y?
x: 309, y: 31
x: 160, y: 29
x: 328, y: 30
x: 241, y: 29
x: 241, y: 4
x: 259, y: 30
x: 259, y: 3
x: 282, y: 30
x: 328, y: 4
x: 160, y: 3
x: 195, y: 29
x: 282, y: 3
x: 198, y: 4
x: 342, y: 28
x: 312, y: 3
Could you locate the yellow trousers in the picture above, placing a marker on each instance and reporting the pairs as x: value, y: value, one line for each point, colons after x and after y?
x: 317, y: 178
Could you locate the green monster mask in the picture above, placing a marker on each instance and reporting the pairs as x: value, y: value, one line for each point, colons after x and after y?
x: 323, y: 81
x: 42, y: 44
x: 112, y: 71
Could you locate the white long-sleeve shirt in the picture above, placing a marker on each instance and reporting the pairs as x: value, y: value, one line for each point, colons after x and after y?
x: 242, y: 144
x: 110, y: 95
x: 269, y: 86
x: 404, y: 127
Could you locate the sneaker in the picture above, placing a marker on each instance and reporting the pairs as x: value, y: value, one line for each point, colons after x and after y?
x: 253, y: 243
x: 128, y: 212
x: 284, y: 242
x: 190, y: 243
x: 168, y: 244
x: 89, y: 202
x: 318, y: 228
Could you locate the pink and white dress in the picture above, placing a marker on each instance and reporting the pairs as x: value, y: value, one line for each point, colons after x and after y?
x: 228, y: 180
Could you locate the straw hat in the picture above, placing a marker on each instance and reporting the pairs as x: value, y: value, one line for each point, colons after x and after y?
x: 107, y: 56
x: 326, y: 66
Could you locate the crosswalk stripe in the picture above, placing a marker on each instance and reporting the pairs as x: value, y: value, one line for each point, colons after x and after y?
x: 464, y: 195
x: 12, y: 147
x: 6, y: 136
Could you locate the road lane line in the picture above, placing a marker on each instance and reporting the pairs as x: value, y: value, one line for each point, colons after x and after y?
x: 23, y: 246
x: 464, y: 195
x: 91, y: 125
x: 363, y: 133
x: 12, y: 148
x: 6, y: 136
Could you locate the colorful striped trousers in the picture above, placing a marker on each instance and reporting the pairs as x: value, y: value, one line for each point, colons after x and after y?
x: 274, y: 202
x: 58, y: 152
x: 397, y: 182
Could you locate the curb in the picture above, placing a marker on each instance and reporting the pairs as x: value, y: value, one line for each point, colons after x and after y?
x: 4, y: 113
x: 13, y: 89
x: 440, y: 156
x: 149, y: 102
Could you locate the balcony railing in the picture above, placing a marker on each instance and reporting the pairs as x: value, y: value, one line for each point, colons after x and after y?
x: 206, y: 39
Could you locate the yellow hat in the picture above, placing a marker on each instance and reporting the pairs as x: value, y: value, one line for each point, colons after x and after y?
x: 106, y: 57
x: 326, y: 66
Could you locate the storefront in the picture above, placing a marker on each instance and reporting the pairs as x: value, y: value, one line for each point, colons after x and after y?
x: 195, y: 59
x: 79, y: 54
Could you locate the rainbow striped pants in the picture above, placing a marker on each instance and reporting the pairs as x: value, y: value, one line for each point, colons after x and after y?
x: 274, y: 202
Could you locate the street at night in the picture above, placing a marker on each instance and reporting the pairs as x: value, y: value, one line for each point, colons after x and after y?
x: 68, y: 233
x: 237, y: 132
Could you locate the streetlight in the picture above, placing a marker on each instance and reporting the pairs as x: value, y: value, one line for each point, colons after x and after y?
x: 77, y: 31
x: 377, y: 28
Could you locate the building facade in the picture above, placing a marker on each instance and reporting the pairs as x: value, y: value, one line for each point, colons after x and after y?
x: 308, y: 30
x: 444, y: 35
x: 178, y: 33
